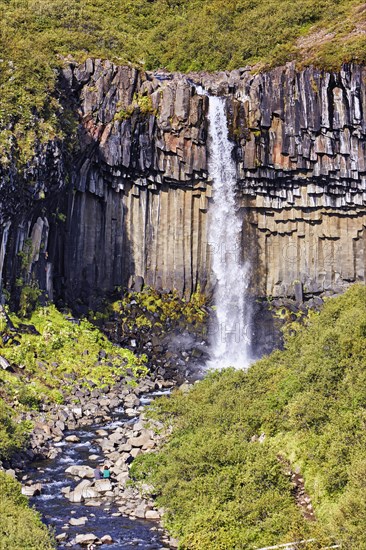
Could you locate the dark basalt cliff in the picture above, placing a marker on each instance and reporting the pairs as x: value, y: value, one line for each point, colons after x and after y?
x: 136, y: 201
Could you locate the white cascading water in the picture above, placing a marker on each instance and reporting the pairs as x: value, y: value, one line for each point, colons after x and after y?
x: 230, y: 336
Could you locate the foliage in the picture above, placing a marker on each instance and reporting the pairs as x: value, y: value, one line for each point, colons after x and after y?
x: 20, y: 526
x: 13, y: 435
x: 141, y: 104
x: 149, y: 307
x: 220, y: 485
x: 52, y: 350
x: 28, y: 301
x: 36, y: 36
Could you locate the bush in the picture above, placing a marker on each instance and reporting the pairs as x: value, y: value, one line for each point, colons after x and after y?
x: 20, y: 526
x: 223, y: 489
x: 13, y: 435
x: 56, y: 349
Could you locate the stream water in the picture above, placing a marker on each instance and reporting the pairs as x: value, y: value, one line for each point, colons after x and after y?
x: 56, y: 509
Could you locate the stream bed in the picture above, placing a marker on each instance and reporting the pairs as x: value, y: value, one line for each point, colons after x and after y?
x: 57, y: 510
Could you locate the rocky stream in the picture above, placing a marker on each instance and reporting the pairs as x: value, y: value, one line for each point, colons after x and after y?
x: 102, y: 429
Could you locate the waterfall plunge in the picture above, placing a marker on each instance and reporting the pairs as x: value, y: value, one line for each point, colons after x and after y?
x: 230, y: 335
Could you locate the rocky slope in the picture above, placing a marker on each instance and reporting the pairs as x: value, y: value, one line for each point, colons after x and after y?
x: 135, y: 203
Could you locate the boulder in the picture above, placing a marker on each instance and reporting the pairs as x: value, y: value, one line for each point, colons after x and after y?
x: 81, y: 491
x: 102, y: 433
x: 77, y: 412
x: 122, y: 478
x: 78, y: 521
x: 152, y: 514
x: 106, y: 539
x: 134, y: 453
x: 80, y: 471
x: 140, y: 511
x: 4, y: 363
x: 103, y: 485
x: 32, y: 490
x: 143, y: 440
x: 86, y: 539
x: 93, y: 502
x: 90, y: 493
x: 72, y: 439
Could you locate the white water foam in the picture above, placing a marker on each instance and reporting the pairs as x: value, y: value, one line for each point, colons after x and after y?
x: 230, y: 336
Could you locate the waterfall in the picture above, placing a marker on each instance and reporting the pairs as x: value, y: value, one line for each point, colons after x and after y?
x: 230, y: 334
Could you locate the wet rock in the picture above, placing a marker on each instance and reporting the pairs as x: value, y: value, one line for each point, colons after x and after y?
x: 78, y: 521
x: 80, y: 471
x: 93, y: 502
x: 82, y: 491
x: 32, y: 490
x: 86, y: 539
x: 106, y: 539
x: 72, y: 439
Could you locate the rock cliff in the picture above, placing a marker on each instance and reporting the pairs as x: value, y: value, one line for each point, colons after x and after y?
x: 136, y: 201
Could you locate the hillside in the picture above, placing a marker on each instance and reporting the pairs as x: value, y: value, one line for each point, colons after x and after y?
x: 36, y: 36
x: 223, y: 475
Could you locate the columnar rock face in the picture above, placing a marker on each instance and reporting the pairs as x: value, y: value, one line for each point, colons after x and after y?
x: 138, y: 200
x: 141, y: 191
x: 301, y: 167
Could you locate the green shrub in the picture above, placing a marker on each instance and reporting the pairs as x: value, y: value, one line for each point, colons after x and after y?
x: 20, y: 526
x: 13, y: 435
x: 152, y: 307
x: 60, y: 347
x: 223, y: 489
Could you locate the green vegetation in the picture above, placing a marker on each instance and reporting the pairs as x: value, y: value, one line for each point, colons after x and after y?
x: 225, y: 489
x: 51, y: 349
x: 150, y: 307
x: 141, y: 104
x: 20, y: 526
x: 48, y: 353
x: 37, y: 36
x: 13, y: 435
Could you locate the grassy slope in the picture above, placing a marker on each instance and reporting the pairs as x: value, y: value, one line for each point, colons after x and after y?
x: 177, y: 34
x: 220, y: 487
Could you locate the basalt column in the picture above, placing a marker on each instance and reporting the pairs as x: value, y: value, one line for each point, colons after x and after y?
x: 157, y: 235
x: 301, y: 162
x: 139, y: 204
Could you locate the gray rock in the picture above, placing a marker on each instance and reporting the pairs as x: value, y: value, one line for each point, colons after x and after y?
x: 4, y: 363
x: 72, y: 439
x: 152, y: 514
x: 106, y: 539
x: 32, y: 490
x: 78, y: 521
x: 80, y: 471
x: 86, y: 539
